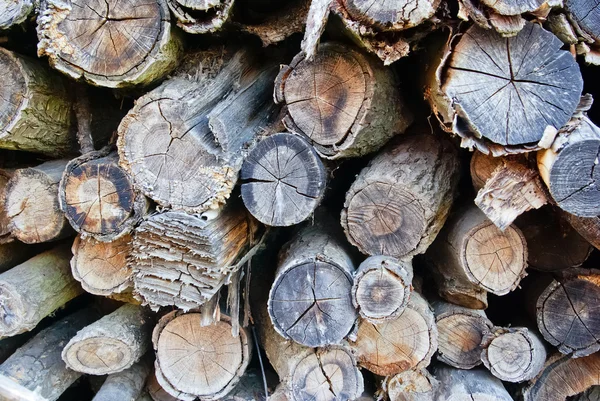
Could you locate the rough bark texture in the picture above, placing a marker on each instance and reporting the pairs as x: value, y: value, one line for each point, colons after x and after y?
x: 476, y: 385
x: 587, y: 227
x: 111, y: 344
x: 411, y: 385
x: 13, y: 253
x: 35, y: 108
x: 283, y: 180
x: 201, y: 16
x: 343, y: 101
x: 472, y: 257
x: 394, y: 15
x: 32, y: 203
x: 108, y: 43
x: 13, y: 12
x: 34, y: 289
x: 399, y: 202
x: 126, y: 385
x: 194, y: 361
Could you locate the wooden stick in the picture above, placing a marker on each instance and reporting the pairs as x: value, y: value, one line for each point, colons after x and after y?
x: 125, y: 385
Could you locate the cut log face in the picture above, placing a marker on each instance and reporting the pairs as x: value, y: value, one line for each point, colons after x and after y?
x: 201, y: 16
x: 411, y: 385
x: 586, y: 15
x: 108, y: 43
x: 508, y: 92
x: 343, y: 101
x: 382, y: 288
x: 476, y: 385
x: 14, y: 12
x: 194, y: 361
x: 283, y: 180
x: 513, y: 7
x: 391, y: 15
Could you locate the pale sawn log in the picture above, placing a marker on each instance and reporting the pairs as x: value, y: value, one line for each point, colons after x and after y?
x: 475, y: 384
x: 201, y: 16
x: 126, y: 385
x: 13, y: 13
x: 393, y: 15
x: 411, y: 385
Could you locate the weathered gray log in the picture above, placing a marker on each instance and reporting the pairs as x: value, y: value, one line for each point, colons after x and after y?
x: 194, y: 361
x: 344, y: 101
x: 476, y: 384
x: 37, y: 368
x: 201, y: 16
x: 587, y: 227
x: 411, y: 385
x: 5, y: 235
x: 126, y: 385
x: 113, y: 44
x: 283, y: 180
x: 32, y: 203
x: 586, y: 18
x: 35, y: 108
x: 34, y: 289
x: 382, y: 287
x: 472, y: 257
x: 13, y: 13
x: 13, y: 253
x: 394, y: 15
x: 460, y: 332
x: 400, y: 201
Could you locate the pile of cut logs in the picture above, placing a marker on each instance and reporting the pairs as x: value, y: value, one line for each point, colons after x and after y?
x: 298, y: 200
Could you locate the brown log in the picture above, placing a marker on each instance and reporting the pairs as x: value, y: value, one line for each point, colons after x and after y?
x: 476, y: 384
x: 194, y: 361
x: 32, y: 203
x: 472, y: 257
x: 411, y: 385
x: 201, y: 16
x: 127, y: 385
x: 353, y: 115
x: 34, y: 289
x: 13, y: 13
x: 587, y: 227
x: 399, y: 202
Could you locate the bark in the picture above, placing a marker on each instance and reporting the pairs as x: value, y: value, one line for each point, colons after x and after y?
x: 400, y: 201
x: 382, y: 288
x: 283, y: 180
x: 343, y: 101
x: 32, y: 204
x: 477, y: 384
x: 34, y: 289
x: 112, y: 344
x: 194, y: 361
x: 472, y: 257
x: 13, y: 13
x: 5, y: 235
x: 36, y: 108
x: 411, y: 385
x: 36, y: 368
x: 395, y: 15
x: 587, y: 227
x: 126, y: 385
x: 201, y: 16
x: 125, y: 44
x: 98, y: 198
x: 14, y: 253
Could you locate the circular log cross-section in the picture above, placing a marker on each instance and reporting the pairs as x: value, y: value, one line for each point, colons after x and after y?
x: 14, y: 12
x: 411, y: 385
x: 283, y: 180
x: 509, y: 90
x: 586, y: 15
x: 194, y: 361
x: 201, y: 16
x: 112, y: 43
x: 392, y: 15
x: 382, y: 288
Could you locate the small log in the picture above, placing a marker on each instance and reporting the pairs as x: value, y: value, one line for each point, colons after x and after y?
x: 400, y: 201
x: 13, y: 13
x: 127, y: 385
x: 513, y: 354
x: 587, y: 227
x: 460, y: 332
x: 476, y: 384
x: 283, y: 180
x: 201, y: 16
x: 194, y: 361
x: 569, y: 170
x: 32, y: 204
x: 472, y: 257
x: 567, y: 310
x: 396, y: 15
x: 382, y: 287
x: 411, y: 385
x: 98, y: 198
x: 344, y: 101
x: 37, y: 368
x: 36, y: 108
x: 14, y: 253
x: 395, y: 346
x: 34, y: 289
x: 112, y: 344
x: 126, y: 43
x: 310, y: 300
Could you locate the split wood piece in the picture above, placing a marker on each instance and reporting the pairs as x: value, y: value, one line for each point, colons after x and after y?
x: 32, y: 204
x: 194, y: 361
x: 13, y: 13
x: 183, y: 260
x: 5, y: 235
x: 394, y: 346
x: 400, y: 201
x: 98, y: 198
x: 476, y: 384
x: 108, y: 43
x: 318, y: 14
x: 310, y: 300
x: 472, y: 257
x: 283, y: 180
x: 344, y: 101
x: 112, y: 344
x: 34, y: 289
x: 14, y: 253
x: 552, y: 244
x: 126, y: 385
x: 567, y: 310
x: 569, y: 170
x: 156, y: 392
x: 37, y: 368
x: 460, y: 332
x: 183, y: 142
x: 394, y: 15
x: 411, y: 385
x: 35, y: 108
x: 382, y: 288
x: 587, y: 227
x: 515, y: 354
x: 201, y: 16
x: 586, y: 18
x: 563, y: 377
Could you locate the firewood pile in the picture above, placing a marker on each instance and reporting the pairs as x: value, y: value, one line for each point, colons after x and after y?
x: 298, y: 200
